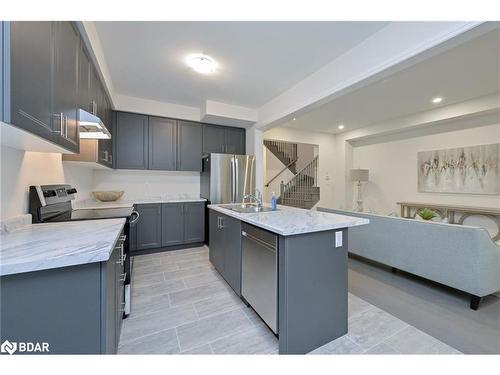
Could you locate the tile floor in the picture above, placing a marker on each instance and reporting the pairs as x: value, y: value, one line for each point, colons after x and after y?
x: 181, y: 305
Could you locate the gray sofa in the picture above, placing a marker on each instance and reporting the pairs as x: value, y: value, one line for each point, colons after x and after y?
x: 462, y: 257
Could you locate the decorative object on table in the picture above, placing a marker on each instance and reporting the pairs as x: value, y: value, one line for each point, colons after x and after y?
x: 107, y: 196
x: 359, y: 176
x: 472, y: 170
x: 426, y: 214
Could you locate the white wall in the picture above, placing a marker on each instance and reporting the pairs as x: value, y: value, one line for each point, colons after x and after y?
x: 393, y: 169
x: 144, y: 184
x: 326, y: 143
x: 20, y: 169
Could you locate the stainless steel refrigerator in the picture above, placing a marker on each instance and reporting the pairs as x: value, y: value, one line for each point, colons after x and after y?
x: 227, y: 178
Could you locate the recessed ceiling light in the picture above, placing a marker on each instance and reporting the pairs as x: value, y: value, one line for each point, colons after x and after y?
x: 201, y: 63
x: 341, y: 126
x: 437, y: 100
x: 294, y: 119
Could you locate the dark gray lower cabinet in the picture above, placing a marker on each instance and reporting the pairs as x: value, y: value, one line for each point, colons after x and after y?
x: 225, y: 248
x: 163, y: 225
x: 149, y: 226
x: 75, y: 309
x: 173, y: 228
x: 194, y: 222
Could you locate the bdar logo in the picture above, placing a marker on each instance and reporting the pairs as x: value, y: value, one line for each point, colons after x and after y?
x: 8, y: 347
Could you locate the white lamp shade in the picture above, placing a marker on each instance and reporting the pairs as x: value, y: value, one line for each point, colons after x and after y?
x: 359, y: 175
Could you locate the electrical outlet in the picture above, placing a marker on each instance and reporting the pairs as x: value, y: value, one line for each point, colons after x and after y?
x: 338, y: 239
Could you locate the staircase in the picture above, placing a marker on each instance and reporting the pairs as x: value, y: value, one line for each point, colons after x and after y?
x: 302, y: 190
x: 286, y: 152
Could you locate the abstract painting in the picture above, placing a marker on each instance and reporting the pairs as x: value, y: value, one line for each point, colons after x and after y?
x: 472, y: 170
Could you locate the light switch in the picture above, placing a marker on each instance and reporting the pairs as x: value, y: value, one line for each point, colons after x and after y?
x: 338, y: 239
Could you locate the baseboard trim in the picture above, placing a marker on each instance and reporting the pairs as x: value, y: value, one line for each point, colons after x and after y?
x: 165, y: 249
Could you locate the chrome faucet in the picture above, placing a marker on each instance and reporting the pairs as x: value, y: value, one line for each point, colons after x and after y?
x: 257, y: 197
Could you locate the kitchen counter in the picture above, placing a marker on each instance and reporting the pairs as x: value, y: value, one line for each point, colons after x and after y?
x: 91, y: 204
x: 37, y: 247
x: 287, y: 221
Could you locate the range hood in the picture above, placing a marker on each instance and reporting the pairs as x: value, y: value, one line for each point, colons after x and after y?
x: 91, y: 126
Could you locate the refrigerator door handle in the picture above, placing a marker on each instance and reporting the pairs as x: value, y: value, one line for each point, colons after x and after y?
x: 233, y: 179
x: 236, y: 179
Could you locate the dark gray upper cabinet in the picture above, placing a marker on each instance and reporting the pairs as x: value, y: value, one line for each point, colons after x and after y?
x: 173, y: 228
x: 223, y: 139
x: 65, y: 85
x: 84, y: 68
x: 235, y: 141
x: 131, y: 141
x: 189, y: 146
x: 162, y: 144
x: 31, y: 46
x: 48, y: 76
x: 94, y: 90
x: 105, y: 146
x: 149, y: 226
x: 194, y: 221
x: 214, y: 139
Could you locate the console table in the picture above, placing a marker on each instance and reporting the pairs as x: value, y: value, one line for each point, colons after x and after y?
x: 454, y: 214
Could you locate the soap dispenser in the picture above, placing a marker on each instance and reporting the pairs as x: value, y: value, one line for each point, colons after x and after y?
x: 274, y: 201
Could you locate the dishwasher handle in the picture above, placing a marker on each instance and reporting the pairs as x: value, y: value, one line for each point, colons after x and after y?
x: 263, y: 243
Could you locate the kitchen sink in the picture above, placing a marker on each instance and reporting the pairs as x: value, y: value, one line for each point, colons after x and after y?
x: 246, y: 208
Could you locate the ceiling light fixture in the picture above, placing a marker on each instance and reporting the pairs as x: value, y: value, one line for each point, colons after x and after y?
x: 437, y: 100
x: 201, y: 63
x: 294, y: 119
x: 341, y: 126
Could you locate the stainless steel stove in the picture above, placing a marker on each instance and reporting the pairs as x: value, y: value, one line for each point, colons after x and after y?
x: 52, y: 203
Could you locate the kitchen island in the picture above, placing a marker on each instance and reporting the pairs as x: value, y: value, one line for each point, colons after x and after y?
x: 290, y: 265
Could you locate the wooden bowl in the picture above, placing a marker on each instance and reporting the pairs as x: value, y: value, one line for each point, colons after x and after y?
x: 107, y: 196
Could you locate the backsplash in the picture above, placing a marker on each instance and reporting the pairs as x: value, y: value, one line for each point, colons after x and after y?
x: 148, y: 184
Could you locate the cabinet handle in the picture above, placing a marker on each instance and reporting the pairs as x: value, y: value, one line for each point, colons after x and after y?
x: 66, y: 126
x: 61, y: 122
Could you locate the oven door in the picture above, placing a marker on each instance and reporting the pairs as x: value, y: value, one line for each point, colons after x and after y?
x: 129, y: 227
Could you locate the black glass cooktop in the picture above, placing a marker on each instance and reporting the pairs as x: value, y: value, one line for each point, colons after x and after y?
x: 93, y: 214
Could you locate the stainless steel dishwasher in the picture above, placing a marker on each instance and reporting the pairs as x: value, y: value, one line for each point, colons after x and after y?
x: 259, y: 272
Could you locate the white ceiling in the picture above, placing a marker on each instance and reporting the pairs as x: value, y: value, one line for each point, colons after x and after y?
x: 258, y: 60
x: 467, y: 71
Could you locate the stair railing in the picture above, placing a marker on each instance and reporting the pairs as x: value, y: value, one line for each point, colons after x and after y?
x: 286, y: 152
x: 295, y: 191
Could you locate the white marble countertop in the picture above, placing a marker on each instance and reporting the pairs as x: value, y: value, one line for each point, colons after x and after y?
x: 288, y: 221
x: 37, y: 247
x: 90, y: 203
